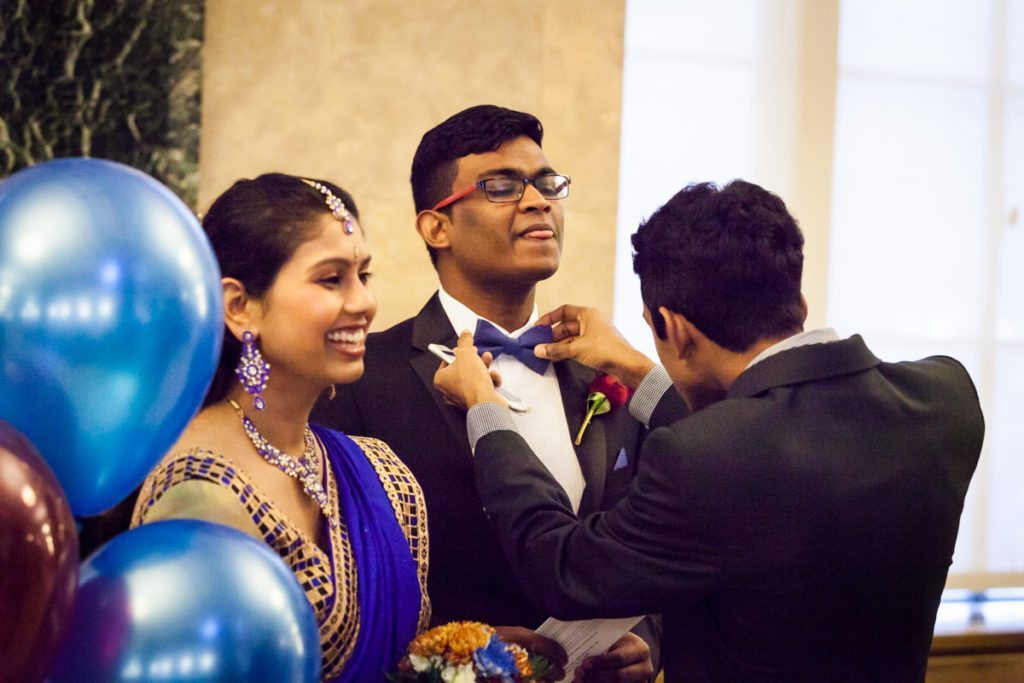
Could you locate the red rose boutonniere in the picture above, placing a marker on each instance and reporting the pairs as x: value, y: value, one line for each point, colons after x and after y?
x: 606, y: 393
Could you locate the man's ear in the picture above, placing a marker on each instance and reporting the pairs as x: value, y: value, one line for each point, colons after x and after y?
x: 678, y: 332
x: 241, y: 312
x: 433, y: 228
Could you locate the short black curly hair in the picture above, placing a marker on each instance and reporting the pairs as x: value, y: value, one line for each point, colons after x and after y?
x: 728, y: 258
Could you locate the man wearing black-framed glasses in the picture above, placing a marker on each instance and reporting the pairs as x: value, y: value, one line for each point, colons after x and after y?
x: 503, y: 190
x: 490, y: 212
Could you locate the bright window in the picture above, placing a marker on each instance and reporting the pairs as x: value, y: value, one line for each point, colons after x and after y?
x: 921, y: 232
x: 675, y: 50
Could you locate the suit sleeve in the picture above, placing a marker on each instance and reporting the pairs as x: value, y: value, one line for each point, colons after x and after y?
x: 655, y: 544
x: 670, y: 408
x: 655, y: 402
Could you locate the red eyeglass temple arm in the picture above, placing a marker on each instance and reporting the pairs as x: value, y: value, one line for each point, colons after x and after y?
x: 452, y: 198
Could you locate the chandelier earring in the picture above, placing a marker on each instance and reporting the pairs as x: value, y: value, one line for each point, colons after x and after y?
x: 252, y: 371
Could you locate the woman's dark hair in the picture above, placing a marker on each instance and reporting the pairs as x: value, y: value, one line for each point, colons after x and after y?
x: 254, y: 229
x: 730, y: 259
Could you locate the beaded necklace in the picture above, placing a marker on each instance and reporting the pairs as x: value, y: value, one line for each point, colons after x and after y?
x: 306, y: 470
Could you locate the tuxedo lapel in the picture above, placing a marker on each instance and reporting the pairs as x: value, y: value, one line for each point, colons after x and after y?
x: 592, y: 453
x: 431, y: 326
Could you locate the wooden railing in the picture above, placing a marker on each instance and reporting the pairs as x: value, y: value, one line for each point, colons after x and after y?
x: 979, y: 638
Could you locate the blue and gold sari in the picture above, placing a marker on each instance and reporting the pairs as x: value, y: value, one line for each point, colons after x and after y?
x: 368, y: 586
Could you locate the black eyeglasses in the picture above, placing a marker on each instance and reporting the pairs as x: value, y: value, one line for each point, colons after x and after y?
x: 506, y: 190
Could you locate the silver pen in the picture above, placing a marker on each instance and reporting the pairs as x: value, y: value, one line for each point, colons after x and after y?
x: 515, y: 404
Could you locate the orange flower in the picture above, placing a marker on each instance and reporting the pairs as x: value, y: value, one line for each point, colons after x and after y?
x: 455, y: 641
x: 522, y: 661
x: 465, y: 638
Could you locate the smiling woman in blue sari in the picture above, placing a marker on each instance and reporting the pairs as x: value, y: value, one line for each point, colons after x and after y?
x: 343, y: 512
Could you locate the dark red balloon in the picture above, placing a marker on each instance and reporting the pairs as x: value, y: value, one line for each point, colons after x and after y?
x: 38, y: 560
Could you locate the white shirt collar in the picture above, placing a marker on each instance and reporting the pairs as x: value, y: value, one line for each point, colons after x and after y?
x: 462, y: 318
x: 821, y: 335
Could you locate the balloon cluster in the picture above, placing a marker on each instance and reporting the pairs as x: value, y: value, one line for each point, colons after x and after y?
x: 110, y: 330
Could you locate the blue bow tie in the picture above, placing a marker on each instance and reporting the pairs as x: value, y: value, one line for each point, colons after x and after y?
x: 489, y: 338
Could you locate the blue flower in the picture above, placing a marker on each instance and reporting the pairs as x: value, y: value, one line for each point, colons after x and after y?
x: 496, y: 660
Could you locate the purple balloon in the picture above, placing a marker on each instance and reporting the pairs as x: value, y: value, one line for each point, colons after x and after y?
x: 38, y: 560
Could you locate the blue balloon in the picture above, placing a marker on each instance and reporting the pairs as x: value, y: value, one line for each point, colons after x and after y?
x: 110, y: 321
x: 186, y: 600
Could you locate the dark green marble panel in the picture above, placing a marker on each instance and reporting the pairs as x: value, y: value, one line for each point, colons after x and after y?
x: 113, y: 79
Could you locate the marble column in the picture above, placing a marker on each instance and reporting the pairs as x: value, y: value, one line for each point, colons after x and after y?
x: 112, y: 80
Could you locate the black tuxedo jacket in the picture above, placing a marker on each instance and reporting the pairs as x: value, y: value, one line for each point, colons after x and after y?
x: 396, y: 401
x: 799, y: 530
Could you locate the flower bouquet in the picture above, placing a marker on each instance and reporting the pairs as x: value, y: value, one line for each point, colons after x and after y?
x: 467, y: 652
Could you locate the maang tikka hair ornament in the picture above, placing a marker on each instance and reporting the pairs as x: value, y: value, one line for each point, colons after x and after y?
x: 253, y: 372
x: 336, y: 206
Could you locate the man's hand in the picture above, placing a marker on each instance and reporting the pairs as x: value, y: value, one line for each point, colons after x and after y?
x: 538, y: 645
x: 629, y: 659
x: 467, y: 381
x: 586, y: 336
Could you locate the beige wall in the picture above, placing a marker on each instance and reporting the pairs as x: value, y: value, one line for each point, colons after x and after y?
x: 343, y: 89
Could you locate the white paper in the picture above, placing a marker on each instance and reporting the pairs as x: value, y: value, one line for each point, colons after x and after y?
x: 581, y: 639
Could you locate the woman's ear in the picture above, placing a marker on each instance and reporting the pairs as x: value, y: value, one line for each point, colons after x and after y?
x: 433, y: 228
x: 241, y: 312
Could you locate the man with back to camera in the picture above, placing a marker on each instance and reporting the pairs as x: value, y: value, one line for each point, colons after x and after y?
x: 489, y: 211
x: 799, y: 524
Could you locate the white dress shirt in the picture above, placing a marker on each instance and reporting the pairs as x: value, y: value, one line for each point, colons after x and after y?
x: 544, y: 426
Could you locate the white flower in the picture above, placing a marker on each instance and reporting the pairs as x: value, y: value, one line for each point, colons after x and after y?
x: 420, y: 664
x: 458, y: 674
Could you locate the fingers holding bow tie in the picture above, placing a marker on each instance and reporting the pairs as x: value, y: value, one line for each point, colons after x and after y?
x: 468, y: 381
x: 588, y: 337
